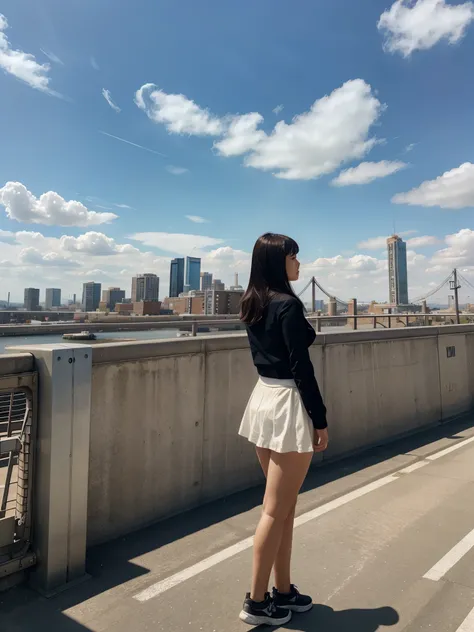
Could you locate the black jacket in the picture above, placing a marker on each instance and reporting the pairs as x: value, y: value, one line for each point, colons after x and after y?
x: 279, y: 343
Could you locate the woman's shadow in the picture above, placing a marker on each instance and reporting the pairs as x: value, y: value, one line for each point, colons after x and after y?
x: 325, y: 619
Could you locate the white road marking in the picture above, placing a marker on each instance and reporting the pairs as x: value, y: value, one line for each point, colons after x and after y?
x: 468, y: 624
x: 165, y: 584
x: 453, y: 448
x: 192, y: 571
x: 174, y: 580
x: 451, y: 558
x: 343, y: 500
x: 415, y: 466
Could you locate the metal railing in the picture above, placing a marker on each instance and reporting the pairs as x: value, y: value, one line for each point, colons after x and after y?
x: 17, y: 428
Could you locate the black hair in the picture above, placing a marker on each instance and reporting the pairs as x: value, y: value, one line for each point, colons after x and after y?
x: 268, y: 275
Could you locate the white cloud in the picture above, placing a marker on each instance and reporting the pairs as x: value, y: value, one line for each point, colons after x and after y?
x: 176, y: 171
x: 410, y: 147
x: 33, y: 257
x: 367, y: 172
x: 197, y: 219
x: 23, y: 65
x: 241, y: 135
x: 94, y: 63
x: 422, y: 241
x: 176, y: 242
x: 50, y: 208
x: 335, y: 130
x: 179, y: 114
x: 380, y: 243
x: 94, y: 243
x: 278, y: 109
x: 52, y: 57
x: 107, y: 96
x: 454, y: 189
x: 411, y: 25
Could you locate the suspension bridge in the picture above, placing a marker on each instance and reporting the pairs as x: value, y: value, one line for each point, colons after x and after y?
x: 451, y: 282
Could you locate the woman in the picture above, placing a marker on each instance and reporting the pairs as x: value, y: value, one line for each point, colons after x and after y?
x: 285, y: 418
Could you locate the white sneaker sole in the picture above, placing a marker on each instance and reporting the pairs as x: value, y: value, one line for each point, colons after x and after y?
x: 251, y: 619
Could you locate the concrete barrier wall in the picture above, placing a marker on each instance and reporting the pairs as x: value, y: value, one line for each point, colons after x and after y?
x: 165, y: 414
x: 15, y: 364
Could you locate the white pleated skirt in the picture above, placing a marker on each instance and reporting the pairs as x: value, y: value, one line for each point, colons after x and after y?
x: 275, y: 417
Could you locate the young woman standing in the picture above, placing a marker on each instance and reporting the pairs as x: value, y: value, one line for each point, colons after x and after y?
x: 285, y: 418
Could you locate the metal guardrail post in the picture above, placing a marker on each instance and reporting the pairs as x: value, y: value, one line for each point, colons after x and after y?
x: 62, y: 464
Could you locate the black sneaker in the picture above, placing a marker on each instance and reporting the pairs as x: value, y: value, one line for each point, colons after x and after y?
x: 293, y: 601
x: 264, y: 612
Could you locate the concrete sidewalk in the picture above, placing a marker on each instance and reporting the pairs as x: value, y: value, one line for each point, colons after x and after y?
x: 369, y: 530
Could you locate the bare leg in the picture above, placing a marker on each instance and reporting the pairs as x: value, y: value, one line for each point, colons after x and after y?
x: 285, y: 475
x: 282, y: 566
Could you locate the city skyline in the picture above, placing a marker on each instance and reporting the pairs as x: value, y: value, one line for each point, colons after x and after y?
x: 101, y: 176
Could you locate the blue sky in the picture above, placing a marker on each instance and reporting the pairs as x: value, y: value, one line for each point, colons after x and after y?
x: 399, y: 99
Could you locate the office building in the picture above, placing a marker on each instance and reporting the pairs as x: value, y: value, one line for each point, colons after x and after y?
x: 397, y: 270
x: 206, y: 281
x: 91, y: 296
x: 147, y: 308
x: 218, y: 285
x: 193, y: 273
x: 177, y: 277
x: 32, y: 299
x: 222, y: 302
x: 145, y: 287
x: 53, y: 298
x: 112, y: 296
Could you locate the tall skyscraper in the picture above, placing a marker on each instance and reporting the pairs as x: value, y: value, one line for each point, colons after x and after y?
x: 112, y: 296
x: 176, y: 277
x: 91, y: 296
x: 397, y: 270
x: 32, y: 299
x: 145, y: 287
x: 53, y: 298
x: 206, y: 281
x: 193, y: 273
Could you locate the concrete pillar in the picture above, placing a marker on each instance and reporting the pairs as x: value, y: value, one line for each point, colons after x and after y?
x: 424, y: 307
x: 352, y: 310
x: 61, y: 480
x: 332, y: 307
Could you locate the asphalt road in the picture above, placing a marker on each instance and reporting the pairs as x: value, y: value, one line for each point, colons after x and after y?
x: 383, y: 541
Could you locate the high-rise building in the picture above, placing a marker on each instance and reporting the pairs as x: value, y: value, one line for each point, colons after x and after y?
x: 145, y: 287
x: 193, y: 273
x: 206, y: 281
x: 176, y: 277
x: 91, y: 296
x: 112, y: 296
x: 32, y: 299
x: 218, y: 285
x: 53, y: 298
x: 397, y: 270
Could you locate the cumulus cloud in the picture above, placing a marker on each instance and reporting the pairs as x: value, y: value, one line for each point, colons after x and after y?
x: 411, y: 25
x: 278, y: 109
x: 197, y: 219
x: 94, y: 243
x: 107, y: 96
x: 242, y: 135
x: 179, y: 114
x: 50, y: 208
x: 23, y: 65
x: 367, y: 172
x: 335, y: 130
x: 176, y: 171
x: 380, y: 243
x: 454, y: 190
x: 32, y: 256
